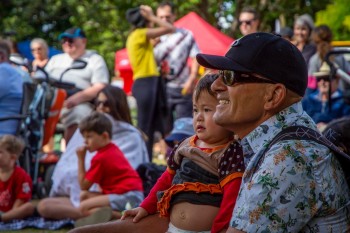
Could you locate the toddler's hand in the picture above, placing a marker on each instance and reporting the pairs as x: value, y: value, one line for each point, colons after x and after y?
x: 138, y: 212
x: 81, y: 151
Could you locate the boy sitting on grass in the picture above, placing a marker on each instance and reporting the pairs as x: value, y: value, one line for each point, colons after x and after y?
x: 15, y: 183
x: 119, y: 182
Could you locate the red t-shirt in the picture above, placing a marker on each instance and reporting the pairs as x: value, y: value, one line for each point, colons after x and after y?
x: 112, y: 171
x: 18, y: 186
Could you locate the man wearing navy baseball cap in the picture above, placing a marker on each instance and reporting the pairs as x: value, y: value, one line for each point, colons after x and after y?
x: 88, y: 80
x: 294, y: 185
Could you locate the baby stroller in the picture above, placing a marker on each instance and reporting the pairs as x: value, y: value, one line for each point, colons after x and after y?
x: 40, y: 110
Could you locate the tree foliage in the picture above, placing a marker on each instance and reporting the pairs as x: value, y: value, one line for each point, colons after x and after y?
x: 105, y: 25
x: 337, y: 17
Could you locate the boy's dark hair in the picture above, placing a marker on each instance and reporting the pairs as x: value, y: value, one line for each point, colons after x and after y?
x: 12, y: 144
x: 169, y: 4
x: 96, y: 122
x: 204, y: 84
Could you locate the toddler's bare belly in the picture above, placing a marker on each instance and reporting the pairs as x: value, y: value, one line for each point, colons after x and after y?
x: 192, y: 217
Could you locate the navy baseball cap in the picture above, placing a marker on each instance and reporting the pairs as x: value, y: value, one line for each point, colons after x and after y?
x: 72, y: 33
x: 266, y: 54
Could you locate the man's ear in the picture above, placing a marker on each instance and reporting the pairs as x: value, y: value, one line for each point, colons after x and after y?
x: 275, y: 96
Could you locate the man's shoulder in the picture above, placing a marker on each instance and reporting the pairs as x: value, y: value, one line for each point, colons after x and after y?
x: 92, y: 56
x: 59, y: 56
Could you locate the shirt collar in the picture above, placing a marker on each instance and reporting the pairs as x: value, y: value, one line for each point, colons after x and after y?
x: 265, y: 132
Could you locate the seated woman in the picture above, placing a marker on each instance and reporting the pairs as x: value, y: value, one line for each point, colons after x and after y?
x: 65, y: 189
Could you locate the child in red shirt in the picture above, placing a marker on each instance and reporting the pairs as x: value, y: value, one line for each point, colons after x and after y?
x: 199, y: 188
x: 15, y: 183
x: 119, y: 182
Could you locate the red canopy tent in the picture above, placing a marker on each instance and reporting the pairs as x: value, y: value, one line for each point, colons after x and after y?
x: 209, y: 39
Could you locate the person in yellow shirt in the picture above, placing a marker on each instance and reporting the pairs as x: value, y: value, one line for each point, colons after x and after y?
x: 148, y: 87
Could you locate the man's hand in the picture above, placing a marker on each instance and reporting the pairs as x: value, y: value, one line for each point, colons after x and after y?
x: 138, y: 214
x: 72, y: 101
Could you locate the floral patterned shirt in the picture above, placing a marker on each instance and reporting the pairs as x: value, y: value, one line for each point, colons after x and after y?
x: 297, y: 186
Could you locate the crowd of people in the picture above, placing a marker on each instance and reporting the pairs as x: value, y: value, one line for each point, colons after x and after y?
x: 229, y: 172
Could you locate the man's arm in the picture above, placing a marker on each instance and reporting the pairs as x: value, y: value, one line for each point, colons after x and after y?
x: 151, y: 223
x: 84, y: 95
x: 191, y: 81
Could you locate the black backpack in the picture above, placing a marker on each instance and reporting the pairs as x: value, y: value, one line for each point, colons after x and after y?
x: 149, y: 174
x: 331, y: 139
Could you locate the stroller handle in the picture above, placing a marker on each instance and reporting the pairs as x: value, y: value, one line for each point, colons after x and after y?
x: 53, y: 82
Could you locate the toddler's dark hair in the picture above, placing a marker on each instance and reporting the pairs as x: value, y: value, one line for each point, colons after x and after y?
x: 204, y: 84
x: 96, y: 122
x: 12, y: 144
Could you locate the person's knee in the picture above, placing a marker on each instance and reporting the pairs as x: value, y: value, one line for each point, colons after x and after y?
x: 44, y: 207
x: 28, y: 208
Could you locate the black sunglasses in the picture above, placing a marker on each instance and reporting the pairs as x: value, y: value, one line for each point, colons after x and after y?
x: 231, y: 77
x: 324, y: 78
x: 69, y: 40
x: 104, y: 103
x: 248, y: 22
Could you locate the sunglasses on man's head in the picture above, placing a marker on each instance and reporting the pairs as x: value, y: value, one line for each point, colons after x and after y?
x: 231, y: 77
x: 104, y: 103
x: 69, y: 40
x: 247, y: 22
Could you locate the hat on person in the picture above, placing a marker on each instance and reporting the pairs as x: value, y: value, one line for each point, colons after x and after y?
x: 324, y: 70
x: 72, y: 33
x: 305, y: 19
x: 266, y: 54
x: 183, y: 128
x: 135, y: 18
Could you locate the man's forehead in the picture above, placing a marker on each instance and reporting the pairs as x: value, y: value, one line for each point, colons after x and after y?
x: 164, y: 9
x: 246, y: 15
